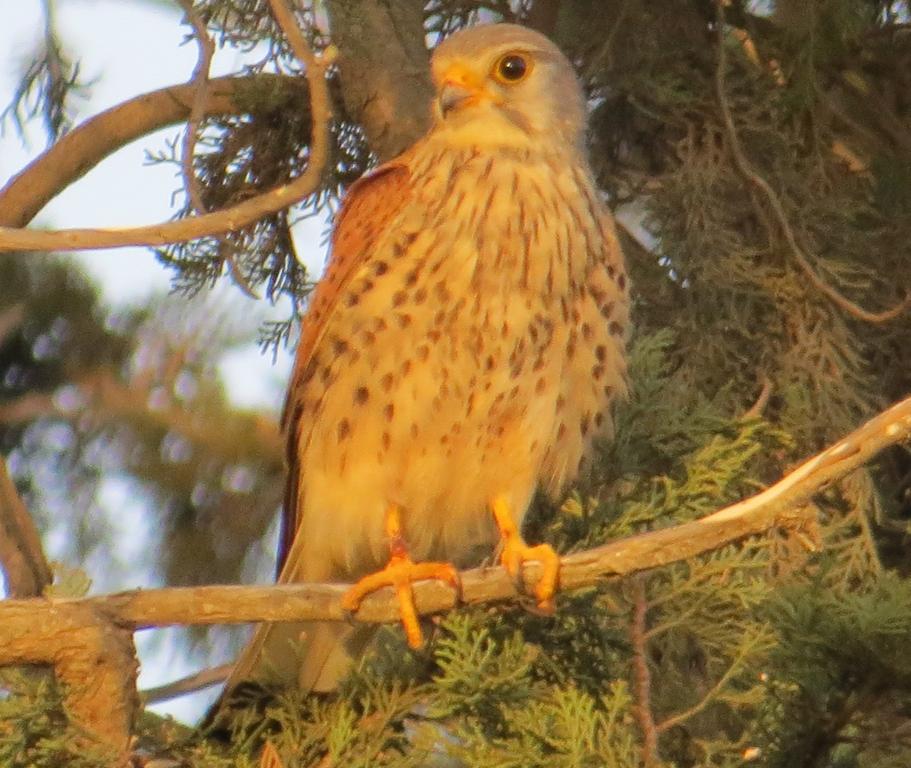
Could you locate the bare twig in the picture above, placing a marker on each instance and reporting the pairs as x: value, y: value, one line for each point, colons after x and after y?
x: 218, y: 222
x: 190, y: 684
x: 200, y: 81
x: 21, y: 554
x: 642, y: 676
x: 750, y: 175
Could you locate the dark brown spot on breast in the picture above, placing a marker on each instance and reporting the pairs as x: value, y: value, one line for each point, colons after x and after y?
x: 586, y: 331
x: 389, y: 411
x: 339, y: 346
x: 423, y: 352
x: 601, y: 353
x: 404, y: 320
x: 621, y: 281
x: 344, y: 430
x: 387, y: 441
x: 442, y: 292
x: 615, y: 328
x: 398, y: 298
x: 387, y: 381
x: 380, y: 268
x: 379, y: 324
x: 361, y: 395
x: 351, y: 299
x: 540, y: 386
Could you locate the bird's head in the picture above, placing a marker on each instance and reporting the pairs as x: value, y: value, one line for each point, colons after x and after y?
x: 502, y: 84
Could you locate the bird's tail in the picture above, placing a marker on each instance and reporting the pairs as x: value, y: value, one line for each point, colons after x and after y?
x: 311, y: 655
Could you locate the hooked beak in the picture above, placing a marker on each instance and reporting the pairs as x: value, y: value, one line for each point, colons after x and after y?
x: 454, y: 95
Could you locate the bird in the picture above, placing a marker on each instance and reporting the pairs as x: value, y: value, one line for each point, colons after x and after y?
x: 463, y: 350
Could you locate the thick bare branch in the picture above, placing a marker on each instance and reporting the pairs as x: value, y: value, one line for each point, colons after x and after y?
x: 94, y: 659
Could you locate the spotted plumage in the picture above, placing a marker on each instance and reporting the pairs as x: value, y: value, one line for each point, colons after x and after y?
x: 465, y: 344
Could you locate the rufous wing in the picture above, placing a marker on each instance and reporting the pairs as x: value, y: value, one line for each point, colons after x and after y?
x: 367, y: 210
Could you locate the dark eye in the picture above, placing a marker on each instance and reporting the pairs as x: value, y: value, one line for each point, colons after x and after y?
x: 512, y: 68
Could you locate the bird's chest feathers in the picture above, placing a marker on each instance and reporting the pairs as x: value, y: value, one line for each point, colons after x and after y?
x: 513, y: 222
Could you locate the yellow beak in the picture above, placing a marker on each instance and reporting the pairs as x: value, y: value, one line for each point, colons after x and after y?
x: 459, y: 88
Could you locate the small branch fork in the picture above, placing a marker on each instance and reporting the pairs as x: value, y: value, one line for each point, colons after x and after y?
x: 224, y: 220
x: 40, y: 630
x: 200, y: 81
x: 752, y: 177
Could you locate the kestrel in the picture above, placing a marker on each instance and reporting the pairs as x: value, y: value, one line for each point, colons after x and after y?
x: 462, y: 350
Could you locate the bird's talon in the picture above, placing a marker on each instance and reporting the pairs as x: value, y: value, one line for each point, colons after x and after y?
x: 400, y: 574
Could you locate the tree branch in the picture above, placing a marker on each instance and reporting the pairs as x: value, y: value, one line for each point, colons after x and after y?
x: 200, y: 81
x: 80, y: 150
x: 21, y: 554
x: 642, y: 676
x: 384, y: 69
x: 205, y: 678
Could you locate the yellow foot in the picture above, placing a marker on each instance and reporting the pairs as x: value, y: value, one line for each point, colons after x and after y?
x: 515, y: 552
x: 401, y: 573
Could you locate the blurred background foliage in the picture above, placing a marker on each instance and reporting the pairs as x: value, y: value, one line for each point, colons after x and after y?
x: 763, y: 332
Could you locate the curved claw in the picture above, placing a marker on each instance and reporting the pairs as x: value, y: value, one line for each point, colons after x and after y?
x: 516, y: 552
x: 400, y: 573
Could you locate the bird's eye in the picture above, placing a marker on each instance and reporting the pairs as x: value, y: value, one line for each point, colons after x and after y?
x: 512, y: 68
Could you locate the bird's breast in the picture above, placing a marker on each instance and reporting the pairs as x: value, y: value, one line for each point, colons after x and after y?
x: 441, y: 378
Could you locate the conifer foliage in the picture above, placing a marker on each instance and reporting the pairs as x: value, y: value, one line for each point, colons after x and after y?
x: 758, y: 156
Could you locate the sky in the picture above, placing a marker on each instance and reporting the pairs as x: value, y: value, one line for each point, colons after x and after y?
x: 127, y: 47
